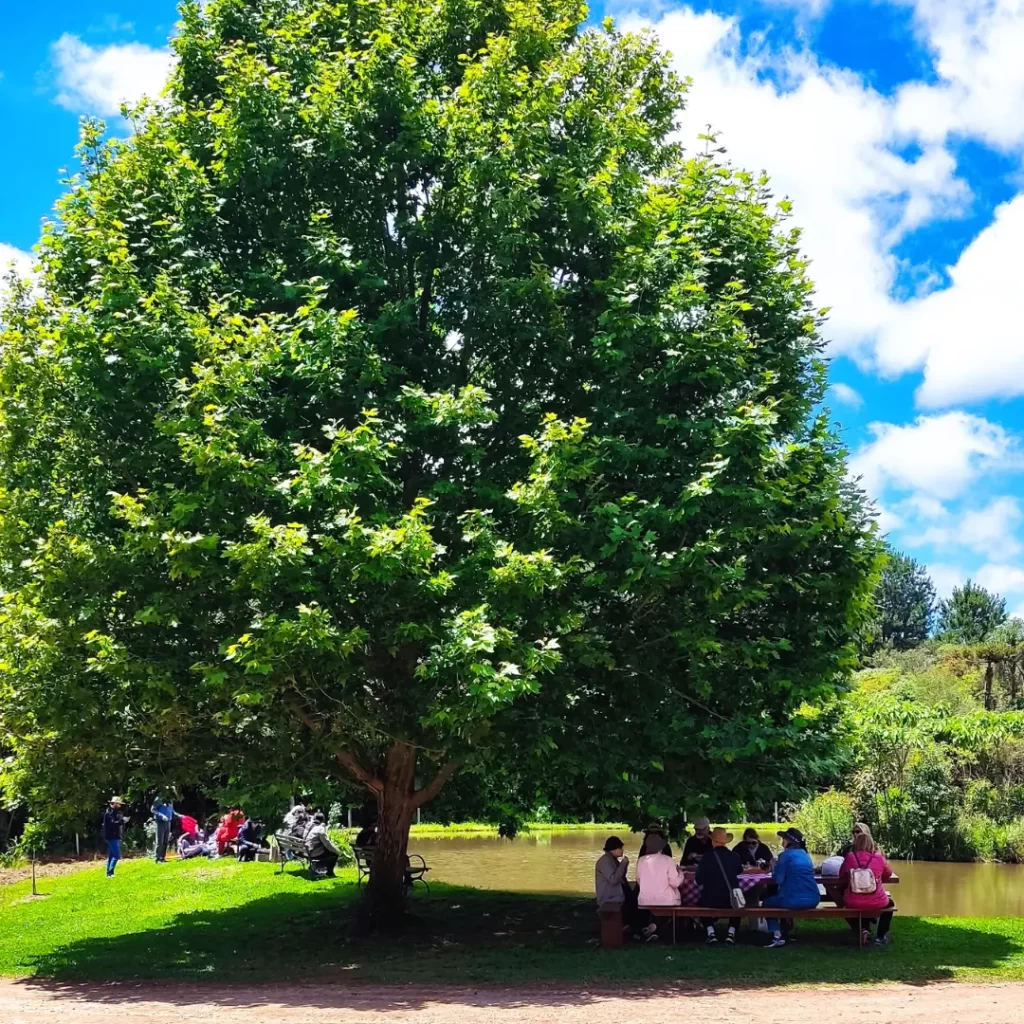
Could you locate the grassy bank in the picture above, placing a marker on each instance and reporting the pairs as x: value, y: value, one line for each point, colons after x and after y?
x: 469, y: 829
x: 222, y: 921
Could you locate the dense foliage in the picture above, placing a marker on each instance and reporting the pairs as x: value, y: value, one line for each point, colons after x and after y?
x: 400, y: 398
x: 970, y: 614
x: 904, y: 604
x: 936, y: 774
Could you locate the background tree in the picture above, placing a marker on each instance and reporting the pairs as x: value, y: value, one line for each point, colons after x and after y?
x: 402, y: 397
x: 970, y: 615
x: 904, y: 604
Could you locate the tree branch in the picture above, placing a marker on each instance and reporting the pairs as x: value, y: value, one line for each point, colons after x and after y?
x: 429, y: 791
x: 357, y: 771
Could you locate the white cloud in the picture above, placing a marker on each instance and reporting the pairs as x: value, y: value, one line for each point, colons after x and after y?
x: 846, y: 395
x: 22, y: 261
x: 97, y: 80
x: 946, y: 577
x: 990, y: 530
x: 1001, y: 578
x: 937, y: 457
x: 833, y: 144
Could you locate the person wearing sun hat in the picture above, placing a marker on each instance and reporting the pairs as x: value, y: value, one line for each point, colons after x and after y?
x: 796, y: 886
x: 113, y: 830
x: 717, y: 875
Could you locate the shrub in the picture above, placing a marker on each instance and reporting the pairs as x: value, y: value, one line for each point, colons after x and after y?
x: 978, y: 837
x: 344, y: 845
x: 1011, y: 842
x: 826, y: 821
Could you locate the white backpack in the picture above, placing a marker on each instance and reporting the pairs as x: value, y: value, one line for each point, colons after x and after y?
x: 862, y: 879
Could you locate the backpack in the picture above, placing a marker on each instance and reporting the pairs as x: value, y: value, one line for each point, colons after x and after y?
x: 862, y: 879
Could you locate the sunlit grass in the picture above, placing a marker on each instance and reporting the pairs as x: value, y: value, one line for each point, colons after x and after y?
x: 226, y: 921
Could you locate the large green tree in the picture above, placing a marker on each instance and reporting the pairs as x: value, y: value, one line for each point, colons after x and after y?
x: 401, y: 397
x: 904, y: 603
x: 970, y: 614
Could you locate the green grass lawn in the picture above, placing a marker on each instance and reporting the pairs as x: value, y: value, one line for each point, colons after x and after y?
x: 224, y: 921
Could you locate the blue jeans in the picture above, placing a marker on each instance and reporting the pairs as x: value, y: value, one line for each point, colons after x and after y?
x: 113, y: 854
x: 774, y: 925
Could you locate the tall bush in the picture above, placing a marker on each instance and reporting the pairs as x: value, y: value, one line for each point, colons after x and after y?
x: 826, y: 821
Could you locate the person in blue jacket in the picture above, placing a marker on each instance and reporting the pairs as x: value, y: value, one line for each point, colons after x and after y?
x: 793, y: 874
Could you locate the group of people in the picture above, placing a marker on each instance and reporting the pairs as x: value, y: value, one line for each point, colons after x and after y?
x: 311, y: 829
x: 234, y: 833
x: 860, y: 873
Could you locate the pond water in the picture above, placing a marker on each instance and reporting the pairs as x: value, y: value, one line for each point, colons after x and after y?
x: 547, y: 863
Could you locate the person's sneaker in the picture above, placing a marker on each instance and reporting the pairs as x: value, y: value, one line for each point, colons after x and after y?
x: 776, y: 943
x: 882, y: 940
x: 653, y: 937
x: 865, y: 937
x: 651, y: 929
x: 712, y: 939
x: 730, y: 939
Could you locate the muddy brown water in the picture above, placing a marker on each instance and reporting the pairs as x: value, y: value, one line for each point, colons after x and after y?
x: 549, y: 863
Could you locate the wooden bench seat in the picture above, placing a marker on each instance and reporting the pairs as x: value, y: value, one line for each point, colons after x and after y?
x: 291, y: 849
x: 814, y: 913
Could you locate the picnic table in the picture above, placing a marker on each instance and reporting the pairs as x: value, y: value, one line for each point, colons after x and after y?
x: 690, y: 891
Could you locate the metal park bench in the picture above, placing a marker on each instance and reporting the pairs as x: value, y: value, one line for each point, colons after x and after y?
x: 414, y: 872
x: 291, y: 849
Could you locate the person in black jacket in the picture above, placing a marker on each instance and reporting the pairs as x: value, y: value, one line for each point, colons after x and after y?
x: 717, y: 875
x: 113, y: 831
x: 250, y: 839
x: 698, y: 845
x: 752, y: 852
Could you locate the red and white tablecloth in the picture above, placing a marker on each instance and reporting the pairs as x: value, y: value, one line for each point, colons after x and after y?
x: 690, y: 891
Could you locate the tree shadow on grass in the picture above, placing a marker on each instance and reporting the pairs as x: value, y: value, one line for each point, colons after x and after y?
x: 460, y: 937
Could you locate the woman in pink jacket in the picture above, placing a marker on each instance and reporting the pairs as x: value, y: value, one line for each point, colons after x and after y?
x: 860, y: 878
x: 658, y: 876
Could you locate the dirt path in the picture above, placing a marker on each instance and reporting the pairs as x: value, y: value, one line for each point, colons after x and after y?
x: 49, y: 1002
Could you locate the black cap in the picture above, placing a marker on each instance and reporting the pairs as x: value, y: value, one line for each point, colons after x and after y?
x: 612, y: 843
x: 794, y: 835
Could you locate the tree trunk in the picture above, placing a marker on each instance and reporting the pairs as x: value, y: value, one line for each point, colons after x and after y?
x: 395, y: 809
x: 988, y: 685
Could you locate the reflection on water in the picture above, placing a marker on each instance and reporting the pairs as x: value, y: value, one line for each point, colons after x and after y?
x: 565, y: 864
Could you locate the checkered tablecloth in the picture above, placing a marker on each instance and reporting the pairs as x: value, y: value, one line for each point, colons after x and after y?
x: 690, y: 891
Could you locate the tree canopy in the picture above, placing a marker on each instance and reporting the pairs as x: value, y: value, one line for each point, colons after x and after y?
x: 970, y: 614
x: 904, y: 604
x: 400, y: 397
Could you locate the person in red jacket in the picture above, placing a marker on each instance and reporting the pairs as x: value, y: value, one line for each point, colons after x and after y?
x: 860, y: 879
x: 227, y: 830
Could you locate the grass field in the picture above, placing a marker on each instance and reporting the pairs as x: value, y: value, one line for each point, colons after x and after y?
x: 223, y: 921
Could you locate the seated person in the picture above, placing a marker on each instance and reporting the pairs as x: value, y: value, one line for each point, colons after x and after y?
x: 657, y: 876
x: 717, y: 875
x: 294, y: 815
x: 860, y: 878
x: 367, y: 836
x: 796, y: 886
x: 250, y: 839
x: 227, y: 830
x: 652, y: 830
x: 323, y: 854
x: 753, y: 853
x: 192, y: 845
x: 698, y: 845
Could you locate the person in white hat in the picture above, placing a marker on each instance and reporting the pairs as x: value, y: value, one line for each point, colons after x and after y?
x: 113, y: 831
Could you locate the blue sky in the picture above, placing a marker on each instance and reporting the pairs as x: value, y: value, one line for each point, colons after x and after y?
x: 896, y: 128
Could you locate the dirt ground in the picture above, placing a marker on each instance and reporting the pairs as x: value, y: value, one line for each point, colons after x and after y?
x: 43, y: 1002
x: 49, y: 869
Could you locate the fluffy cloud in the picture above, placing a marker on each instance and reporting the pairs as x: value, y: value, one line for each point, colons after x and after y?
x: 846, y: 395
x: 935, y: 457
x: 840, y: 150
x: 22, y: 261
x: 1001, y: 578
x: 990, y: 530
x: 97, y: 80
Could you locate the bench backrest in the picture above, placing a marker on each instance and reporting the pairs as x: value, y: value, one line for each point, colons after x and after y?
x: 290, y: 843
x: 364, y: 856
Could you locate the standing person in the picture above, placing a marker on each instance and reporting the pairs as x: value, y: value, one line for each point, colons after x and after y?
x: 323, y: 854
x: 699, y: 844
x: 163, y: 813
x: 717, y: 875
x: 796, y: 886
x: 753, y: 853
x: 113, y: 832
x: 860, y: 879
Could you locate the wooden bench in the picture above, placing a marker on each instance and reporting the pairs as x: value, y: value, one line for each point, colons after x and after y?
x: 814, y: 913
x: 414, y: 872
x: 291, y: 849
